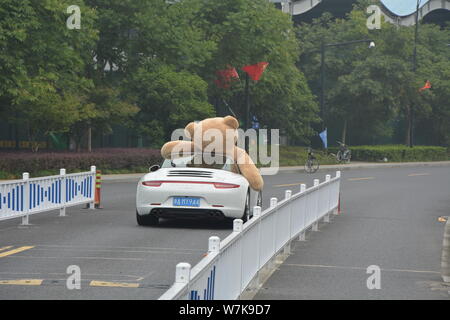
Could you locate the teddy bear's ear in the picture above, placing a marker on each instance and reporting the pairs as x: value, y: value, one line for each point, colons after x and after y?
x: 231, y: 121
x: 189, y: 130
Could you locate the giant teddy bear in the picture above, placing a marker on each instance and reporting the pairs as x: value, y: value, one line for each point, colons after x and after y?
x: 224, y: 129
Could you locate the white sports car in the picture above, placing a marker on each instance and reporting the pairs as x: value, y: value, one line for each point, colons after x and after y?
x: 188, y: 186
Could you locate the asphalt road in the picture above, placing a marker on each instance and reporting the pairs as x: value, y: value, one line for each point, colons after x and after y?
x: 109, y: 247
x: 390, y: 220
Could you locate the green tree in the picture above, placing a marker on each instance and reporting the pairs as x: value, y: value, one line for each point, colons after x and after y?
x: 42, y: 77
x: 248, y: 32
x: 168, y: 99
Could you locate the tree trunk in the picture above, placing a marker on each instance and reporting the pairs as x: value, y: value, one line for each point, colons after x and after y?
x: 344, y: 132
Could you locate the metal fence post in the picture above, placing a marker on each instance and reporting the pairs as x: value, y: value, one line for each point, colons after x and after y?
x: 273, y: 204
x: 287, y: 247
x: 327, y: 215
x: 337, y: 210
x: 257, y: 216
x: 62, y: 210
x: 237, y: 228
x: 26, y: 195
x: 302, y: 234
x: 315, y: 226
x: 93, y: 186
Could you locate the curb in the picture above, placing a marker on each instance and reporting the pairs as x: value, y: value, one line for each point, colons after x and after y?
x: 370, y: 165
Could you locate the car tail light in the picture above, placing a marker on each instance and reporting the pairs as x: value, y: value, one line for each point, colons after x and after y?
x: 152, y: 183
x: 220, y: 185
x: 217, y: 185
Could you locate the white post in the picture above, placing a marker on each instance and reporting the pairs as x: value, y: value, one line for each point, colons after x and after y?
x: 94, y: 185
x: 287, y: 247
x: 26, y: 195
x: 213, y: 244
x: 302, y: 187
x: 338, y: 174
x: 273, y: 204
x: 62, y: 210
x: 302, y: 234
x: 183, y: 272
x: 287, y: 194
x: 315, y: 226
x: 257, y: 216
x: 237, y: 225
x: 327, y: 216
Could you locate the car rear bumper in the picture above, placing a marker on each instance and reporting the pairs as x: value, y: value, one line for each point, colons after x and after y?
x: 171, y: 213
x: 184, y: 212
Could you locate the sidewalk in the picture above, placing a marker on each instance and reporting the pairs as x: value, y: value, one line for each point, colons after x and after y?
x: 391, y: 222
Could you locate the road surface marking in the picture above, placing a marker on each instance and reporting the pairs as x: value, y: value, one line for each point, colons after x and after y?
x: 418, y: 174
x: 287, y: 185
x: 90, y: 258
x: 94, y: 248
x: 95, y: 283
x: 361, y: 179
x: 22, y: 282
x: 357, y: 268
x: 10, y: 252
x: 5, y: 248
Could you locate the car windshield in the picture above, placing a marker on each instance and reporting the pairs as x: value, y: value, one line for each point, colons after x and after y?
x: 200, y: 160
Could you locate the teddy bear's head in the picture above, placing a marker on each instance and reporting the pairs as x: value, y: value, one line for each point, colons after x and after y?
x: 214, y: 134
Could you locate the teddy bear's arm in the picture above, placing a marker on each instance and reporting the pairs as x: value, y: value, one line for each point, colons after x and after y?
x: 248, y: 169
x: 176, y: 147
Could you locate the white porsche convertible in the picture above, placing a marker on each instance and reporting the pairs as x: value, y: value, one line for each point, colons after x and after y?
x: 188, y: 186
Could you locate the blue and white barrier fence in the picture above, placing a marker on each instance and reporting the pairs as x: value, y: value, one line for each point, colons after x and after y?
x: 236, y: 263
x: 21, y: 198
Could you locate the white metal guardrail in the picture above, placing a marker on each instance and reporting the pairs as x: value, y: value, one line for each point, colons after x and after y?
x: 21, y: 198
x: 234, y: 264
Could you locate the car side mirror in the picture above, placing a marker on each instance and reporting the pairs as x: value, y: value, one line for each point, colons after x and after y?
x: 154, y: 168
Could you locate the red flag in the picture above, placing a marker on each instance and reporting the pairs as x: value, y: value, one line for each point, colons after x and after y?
x: 426, y: 86
x: 225, y: 77
x: 255, y: 71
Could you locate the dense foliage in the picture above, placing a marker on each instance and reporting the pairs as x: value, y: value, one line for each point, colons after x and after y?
x: 150, y: 65
x: 399, y: 153
x: 116, y: 160
x: 372, y: 93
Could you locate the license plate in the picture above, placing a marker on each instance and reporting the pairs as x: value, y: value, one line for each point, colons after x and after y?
x: 186, y: 202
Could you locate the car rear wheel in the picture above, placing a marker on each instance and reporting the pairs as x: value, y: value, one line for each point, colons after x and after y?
x: 247, y: 215
x: 147, y: 220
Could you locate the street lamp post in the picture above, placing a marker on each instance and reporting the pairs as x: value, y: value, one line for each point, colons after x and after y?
x: 411, y: 112
x: 322, y: 68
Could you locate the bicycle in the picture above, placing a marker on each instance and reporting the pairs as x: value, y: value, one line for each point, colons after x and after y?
x: 344, y: 154
x: 312, y: 164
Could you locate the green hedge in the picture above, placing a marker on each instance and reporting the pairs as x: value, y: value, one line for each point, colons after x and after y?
x: 399, y: 153
x: 120, y: 160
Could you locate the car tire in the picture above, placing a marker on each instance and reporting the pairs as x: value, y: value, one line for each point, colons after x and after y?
x: 146, y: 220
x: 259, y: 200
x: 247, y: 214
